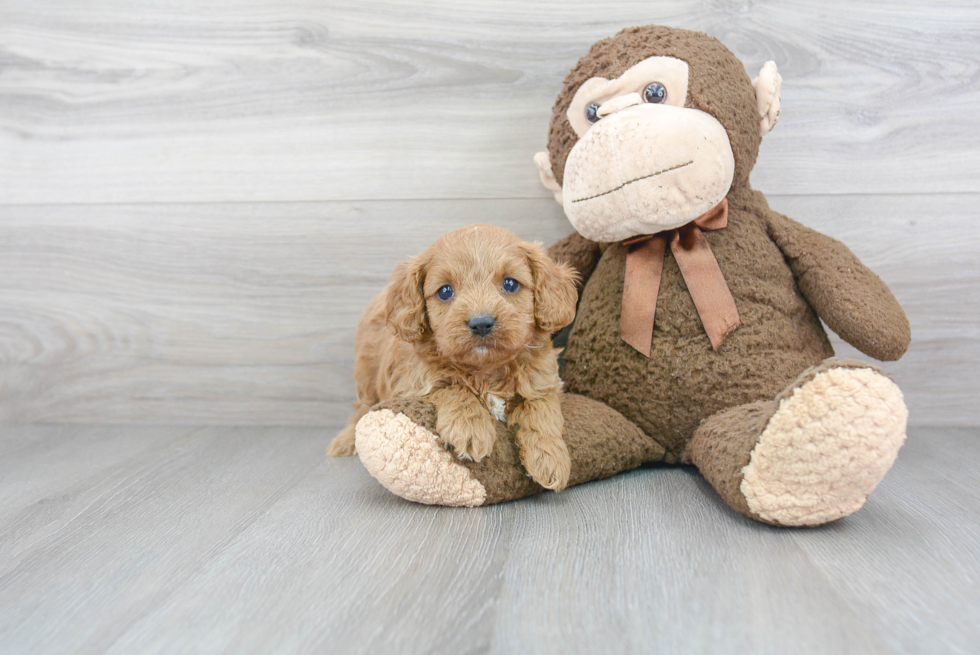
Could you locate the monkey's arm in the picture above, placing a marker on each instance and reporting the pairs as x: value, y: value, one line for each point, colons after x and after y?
x: 579, y: 253
x: 853, y: 301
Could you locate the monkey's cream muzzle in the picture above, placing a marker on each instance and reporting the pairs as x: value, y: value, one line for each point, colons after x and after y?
x: 645, y: 169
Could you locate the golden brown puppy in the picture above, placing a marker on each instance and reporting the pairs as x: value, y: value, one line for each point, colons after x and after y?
x: 469, y: 324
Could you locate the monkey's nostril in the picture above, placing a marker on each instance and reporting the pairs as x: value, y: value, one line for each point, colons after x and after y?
x: 481, y: 325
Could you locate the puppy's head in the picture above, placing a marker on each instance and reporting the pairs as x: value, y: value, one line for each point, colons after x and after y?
x: 481, y: 294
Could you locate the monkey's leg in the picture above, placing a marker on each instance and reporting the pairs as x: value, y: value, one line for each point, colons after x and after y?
x: 810, y: 456
x: 398, y: 445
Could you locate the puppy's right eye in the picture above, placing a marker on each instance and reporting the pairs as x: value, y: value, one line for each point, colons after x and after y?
x: 445, y: 292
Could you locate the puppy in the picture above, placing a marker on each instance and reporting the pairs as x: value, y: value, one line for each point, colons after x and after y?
x: 467, y: 325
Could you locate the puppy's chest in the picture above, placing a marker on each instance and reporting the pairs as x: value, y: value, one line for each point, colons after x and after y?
x: 499, y: 399
x: 497, y: 393
x: 496, y: 405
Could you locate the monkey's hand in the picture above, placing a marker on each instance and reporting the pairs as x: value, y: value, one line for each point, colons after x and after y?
x: 464, y: 425
x: 538, y: 427
x: 854, y: 302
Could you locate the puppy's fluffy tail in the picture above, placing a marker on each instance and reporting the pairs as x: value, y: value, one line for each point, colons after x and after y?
x: 343, y: 444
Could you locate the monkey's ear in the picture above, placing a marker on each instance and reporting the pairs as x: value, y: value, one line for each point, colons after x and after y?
x: 405, y: 313
x: 555, y: 291
x: 543, y: 162
x: 767, y: 88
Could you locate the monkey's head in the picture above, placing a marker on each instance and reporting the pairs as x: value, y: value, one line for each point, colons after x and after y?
x: 654, y: 127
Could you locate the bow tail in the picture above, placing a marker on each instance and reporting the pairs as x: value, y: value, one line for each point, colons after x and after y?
x: 705, y: 282
x: 641, y: 285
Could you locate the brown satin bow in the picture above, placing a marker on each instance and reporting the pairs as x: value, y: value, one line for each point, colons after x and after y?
x: 701, y: 273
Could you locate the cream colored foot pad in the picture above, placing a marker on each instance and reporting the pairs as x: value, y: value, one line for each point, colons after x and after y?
x: 826, y: 448
x: 408, y: 461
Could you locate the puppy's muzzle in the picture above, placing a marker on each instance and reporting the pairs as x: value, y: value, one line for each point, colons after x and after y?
x: 481, y: 325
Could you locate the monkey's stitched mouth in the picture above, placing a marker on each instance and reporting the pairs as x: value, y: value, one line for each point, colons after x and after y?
x: 642, y: 177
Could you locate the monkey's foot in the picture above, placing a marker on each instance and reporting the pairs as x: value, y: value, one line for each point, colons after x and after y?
x: 408, y: 460
x: 829, y: 443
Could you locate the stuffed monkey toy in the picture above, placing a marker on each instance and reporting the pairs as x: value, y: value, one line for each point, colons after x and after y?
x: 698, y: 338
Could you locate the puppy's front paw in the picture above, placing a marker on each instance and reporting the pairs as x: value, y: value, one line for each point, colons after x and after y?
x: 546, y: 460
x: 470, y: 439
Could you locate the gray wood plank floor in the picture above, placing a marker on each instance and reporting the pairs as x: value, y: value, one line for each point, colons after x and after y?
x: 181, y: 539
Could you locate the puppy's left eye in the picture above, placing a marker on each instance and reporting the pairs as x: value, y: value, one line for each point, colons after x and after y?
x: 445, y: 292
x: 511, y: 285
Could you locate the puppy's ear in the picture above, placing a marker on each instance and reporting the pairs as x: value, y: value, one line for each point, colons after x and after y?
x: 405, y: 312
x: 555, y: 291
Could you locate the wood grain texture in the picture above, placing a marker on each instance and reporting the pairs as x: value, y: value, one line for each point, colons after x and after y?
x: 245, y: 313
x: 245, y: 540
x: 922, y: 542
x: 198, y: 199
x: 114, y: 543
x: 204, y: 313
x: 68, y: 456
x: 255, y: 100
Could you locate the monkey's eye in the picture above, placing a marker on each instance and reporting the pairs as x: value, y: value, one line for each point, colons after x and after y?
x: 590, y: 112
x: 655, y: 92
x: 510, y: 285
x: 445, y: 292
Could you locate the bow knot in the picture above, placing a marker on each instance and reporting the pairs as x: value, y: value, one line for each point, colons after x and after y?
x: 699, y: 268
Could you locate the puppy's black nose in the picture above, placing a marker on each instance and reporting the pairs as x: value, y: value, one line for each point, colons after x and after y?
x: 481, y: 325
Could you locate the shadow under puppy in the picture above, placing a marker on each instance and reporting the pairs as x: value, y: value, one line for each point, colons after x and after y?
x: 467, y: 325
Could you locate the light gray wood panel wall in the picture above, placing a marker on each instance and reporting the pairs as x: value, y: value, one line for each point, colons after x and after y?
x: 311, y: 100
x: 160, y: 259
x: 206, y: 312
x: 221, y: 313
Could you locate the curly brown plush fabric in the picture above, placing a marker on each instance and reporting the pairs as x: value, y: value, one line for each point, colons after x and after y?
x: 684, y: 381
x: 752, y: 414
x: 717, y: 84
x: 579, y: 253
x: 853, y: 301
x: 722, y: 445
x: 601, y: 443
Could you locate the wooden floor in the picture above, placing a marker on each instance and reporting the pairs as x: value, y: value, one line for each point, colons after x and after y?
x: 234, y: 539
